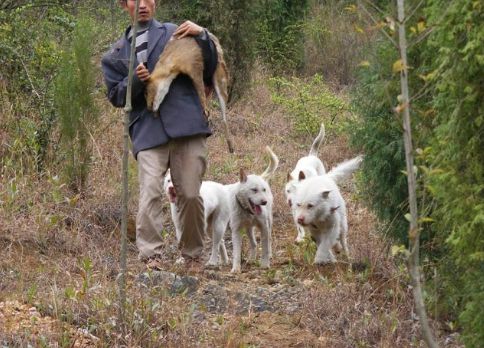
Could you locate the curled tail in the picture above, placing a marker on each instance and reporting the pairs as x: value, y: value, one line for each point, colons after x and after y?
x: 344, y: 170
x: 274, y: 162
x: 317, y: 142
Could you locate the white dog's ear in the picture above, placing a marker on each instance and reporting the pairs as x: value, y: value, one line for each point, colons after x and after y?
x: 301, y: 176
x: 289, y: 177
x: 326, y: 194
x: 334, y: 209
x: 243, y: 176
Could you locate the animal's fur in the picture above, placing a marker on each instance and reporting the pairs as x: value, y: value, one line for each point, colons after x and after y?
x: 184, y: 56
x: 251, y: 207
x: 216, y: 211
x: 321, y: 210
x: 309, y: 166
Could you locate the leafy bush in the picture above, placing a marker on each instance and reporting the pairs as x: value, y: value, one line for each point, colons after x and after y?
x: 378, y: 135
x: 29, y: 59
x: 279, y: 33
x: 447, y: 126
x: 308, y: 103
x: 75, y: 104
x: 456, y: 155
x: 333, y: 40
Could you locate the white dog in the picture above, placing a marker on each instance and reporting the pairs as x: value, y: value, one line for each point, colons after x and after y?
x: 310, y: 166
x: 321, y: 210
x: 251, y: 206
x: 217, y: 215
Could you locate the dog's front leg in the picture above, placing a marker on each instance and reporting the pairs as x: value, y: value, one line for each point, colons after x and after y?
x: 265, y: 261
x: 252, y: 244
x: 223, y: 252
x: 344, y: 236
x: 237, y: 244
x: 217, y: 237
x: 176, y: 221
x: 324, y: 253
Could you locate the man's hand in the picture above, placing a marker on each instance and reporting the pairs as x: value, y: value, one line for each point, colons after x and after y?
x: 142, y: 73
x: 186, y: 29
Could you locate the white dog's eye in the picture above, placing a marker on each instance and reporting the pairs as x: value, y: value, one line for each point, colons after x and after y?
x: 310, y: 206
x: 299, y: 204
x: 264, y: 190
x: 254, y: 190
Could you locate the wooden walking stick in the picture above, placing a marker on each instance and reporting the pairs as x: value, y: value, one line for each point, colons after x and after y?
x: 124, y: 208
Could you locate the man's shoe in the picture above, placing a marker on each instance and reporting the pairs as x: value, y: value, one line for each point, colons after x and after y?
x: 191, y: 264
x: 194, y: 265
x: 153, y: 263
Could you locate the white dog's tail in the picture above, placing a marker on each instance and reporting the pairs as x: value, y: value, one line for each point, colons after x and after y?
x: 344, y: 170
x: 317, y: 142
x: 272, y: 165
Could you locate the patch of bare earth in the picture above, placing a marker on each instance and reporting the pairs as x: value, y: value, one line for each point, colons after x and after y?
x: 60, y: 261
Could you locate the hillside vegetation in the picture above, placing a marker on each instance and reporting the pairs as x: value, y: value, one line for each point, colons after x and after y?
x: 294, y: 64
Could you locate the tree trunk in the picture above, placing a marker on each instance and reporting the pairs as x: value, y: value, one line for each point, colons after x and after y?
x: 414, y: 232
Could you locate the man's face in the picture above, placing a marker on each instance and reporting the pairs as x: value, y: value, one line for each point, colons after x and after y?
x: 146, y: 9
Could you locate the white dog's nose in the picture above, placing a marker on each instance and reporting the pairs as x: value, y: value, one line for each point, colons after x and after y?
x: 300, y: 220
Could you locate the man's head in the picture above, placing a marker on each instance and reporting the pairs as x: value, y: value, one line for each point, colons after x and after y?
x: 146, y: 9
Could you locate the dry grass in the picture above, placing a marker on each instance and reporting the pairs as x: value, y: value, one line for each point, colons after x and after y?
x: 60, y: 255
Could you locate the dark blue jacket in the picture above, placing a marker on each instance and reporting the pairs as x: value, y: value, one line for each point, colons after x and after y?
x: 180, y: 114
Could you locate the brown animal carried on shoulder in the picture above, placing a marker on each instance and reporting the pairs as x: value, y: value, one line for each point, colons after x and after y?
x: 184, y: 56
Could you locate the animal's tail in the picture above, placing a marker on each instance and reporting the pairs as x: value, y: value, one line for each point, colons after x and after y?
x: 272, y: 165
x: 317, y: 142
x: 223, y: 107
x: 344, y: 170
x: 221, y: 80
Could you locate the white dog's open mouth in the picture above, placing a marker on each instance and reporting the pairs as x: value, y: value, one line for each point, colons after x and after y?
x: 172, y: 194
x: 256, y: 209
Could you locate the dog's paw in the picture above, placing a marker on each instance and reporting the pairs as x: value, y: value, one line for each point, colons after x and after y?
x: 324, y: 263
x: 299, y: 240
x: 265, y: 264
x: 235, y: 269
x: 212, y: 264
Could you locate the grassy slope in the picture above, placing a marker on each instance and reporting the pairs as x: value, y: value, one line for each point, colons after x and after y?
x: 62, y: 258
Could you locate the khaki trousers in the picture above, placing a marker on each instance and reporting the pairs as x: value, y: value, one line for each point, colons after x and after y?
x: 187, y: 160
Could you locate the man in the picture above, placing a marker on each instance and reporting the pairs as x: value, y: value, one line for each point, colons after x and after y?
x: 175, y: 138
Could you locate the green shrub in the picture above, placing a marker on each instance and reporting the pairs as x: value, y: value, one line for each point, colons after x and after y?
x: 29, y: 60
x: 308, y: 103
x: 332, y: 44
x: 378, y: 135
x: 74, y: 100
x: 279, y: 33
x: 448, y: 126
x: 456, y: 156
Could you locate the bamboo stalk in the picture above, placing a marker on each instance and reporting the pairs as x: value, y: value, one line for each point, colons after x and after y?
x: 414, y: 232
x: 125, y: 194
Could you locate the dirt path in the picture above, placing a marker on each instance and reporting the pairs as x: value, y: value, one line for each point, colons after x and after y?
x: 60, y: 262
